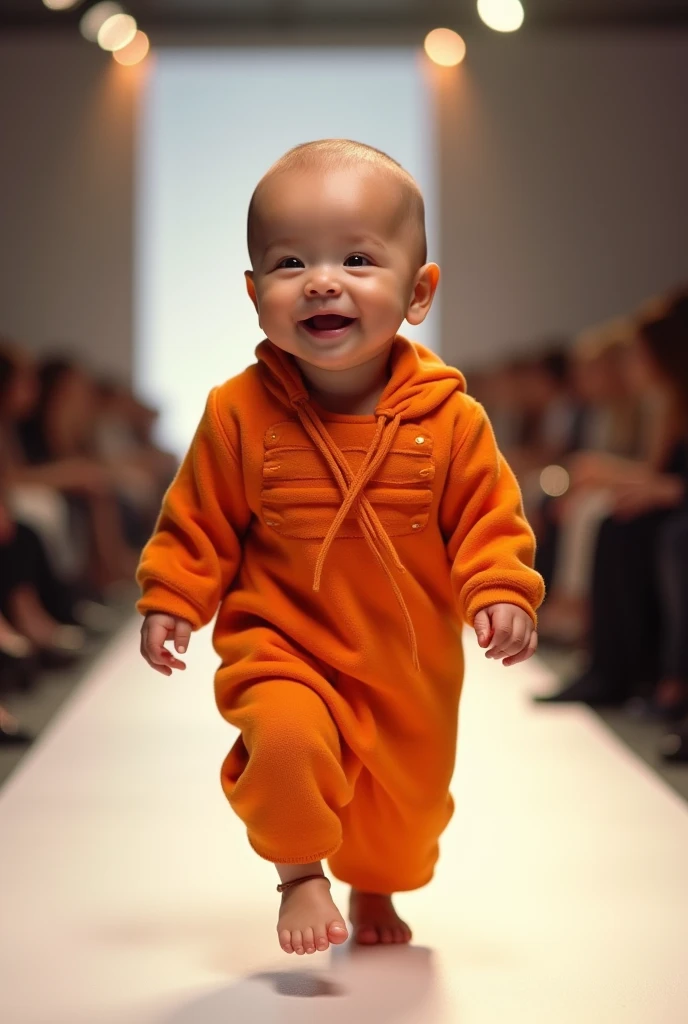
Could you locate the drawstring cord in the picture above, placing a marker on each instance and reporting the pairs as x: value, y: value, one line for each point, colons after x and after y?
x: 343, y: 475
x: 352, y: 487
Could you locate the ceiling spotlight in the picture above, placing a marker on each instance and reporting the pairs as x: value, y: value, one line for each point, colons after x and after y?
x: 445, y: 47
x: 555, y: 481
x: 502, y: 15
x: 135, y: 52
x: 117, y: 32
x: 95, y: 17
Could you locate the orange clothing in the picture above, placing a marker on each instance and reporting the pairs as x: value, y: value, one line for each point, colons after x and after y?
x: 344, y: 553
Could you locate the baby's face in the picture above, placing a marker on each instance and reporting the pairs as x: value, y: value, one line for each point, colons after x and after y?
x: 334, y: 265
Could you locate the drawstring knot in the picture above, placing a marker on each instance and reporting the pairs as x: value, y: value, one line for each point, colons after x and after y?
x: 353, y: 487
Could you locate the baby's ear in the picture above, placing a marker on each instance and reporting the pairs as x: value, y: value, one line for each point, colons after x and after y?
x: 424, y: 289
x: 251, y: 288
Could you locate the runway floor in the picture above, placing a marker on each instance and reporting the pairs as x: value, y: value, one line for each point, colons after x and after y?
x: 129, y: 895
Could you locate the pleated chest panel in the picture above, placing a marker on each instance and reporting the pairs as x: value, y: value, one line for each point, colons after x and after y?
x: 300, y: 496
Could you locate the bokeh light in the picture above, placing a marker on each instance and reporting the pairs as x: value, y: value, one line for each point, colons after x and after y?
x: 502, y: 15
x: 95, y: 17
x: 60, y: 5
x: 445, y: 47
x: 117, y: 32
x: 135, y: 52
x: 555, y: 481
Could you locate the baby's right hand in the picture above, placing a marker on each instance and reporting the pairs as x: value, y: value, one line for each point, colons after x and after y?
x: 156, y: 629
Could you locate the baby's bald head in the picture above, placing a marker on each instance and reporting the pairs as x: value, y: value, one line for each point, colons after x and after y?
x: 337, y: 156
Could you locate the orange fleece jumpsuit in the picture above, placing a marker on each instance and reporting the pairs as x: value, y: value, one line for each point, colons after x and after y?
x: 344, y: 553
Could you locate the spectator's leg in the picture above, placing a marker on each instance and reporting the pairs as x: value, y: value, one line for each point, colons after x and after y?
x: 565, y: 615
x: 47, y: 513
x: 57, y: 598
x: 626, y: 618
x: 672, y: 694
x: 547, y: 542
x: 114, y: 560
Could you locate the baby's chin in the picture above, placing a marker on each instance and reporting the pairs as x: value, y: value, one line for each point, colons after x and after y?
x: 336, y: 355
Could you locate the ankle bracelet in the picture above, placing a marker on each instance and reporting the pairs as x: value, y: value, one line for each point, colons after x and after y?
x: 299, y: 881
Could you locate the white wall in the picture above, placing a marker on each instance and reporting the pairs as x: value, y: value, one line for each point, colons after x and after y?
x: 214, y: 121
x: 66, y: 198
x: 564, y: 184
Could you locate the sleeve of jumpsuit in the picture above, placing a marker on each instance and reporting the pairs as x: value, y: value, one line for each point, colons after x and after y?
x: 489, y: 541
x: 194, y: 553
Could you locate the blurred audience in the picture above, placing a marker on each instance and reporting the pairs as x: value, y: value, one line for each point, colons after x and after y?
x: 597, y: 432
x: 141, y: 471
x: 55, y: 446
x: 80, y: 485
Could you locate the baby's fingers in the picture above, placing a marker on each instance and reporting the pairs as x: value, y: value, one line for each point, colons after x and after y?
x: 514, y: 645
x: 515, y: 638
x: 502, y: 628
x: 162, y: 669
x: 159, y: 667
x: 527, y: 652
x: 182, y: 635
x: 509, y: 634
x: 483, y: 627
x: 153, y: 637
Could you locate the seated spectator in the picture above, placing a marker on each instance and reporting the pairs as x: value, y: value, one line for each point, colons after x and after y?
x: 51, y: 448
x: 550, y: 423
x: 141, y: 471
x: 638, y: 615
x: 501, y: 394
x: 36, y: 609
x: 615, y: 433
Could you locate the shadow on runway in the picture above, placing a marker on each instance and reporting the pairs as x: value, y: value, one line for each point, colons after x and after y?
x: 355, y: 986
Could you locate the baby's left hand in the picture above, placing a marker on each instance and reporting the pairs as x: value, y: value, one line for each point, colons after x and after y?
x: 507, y: 632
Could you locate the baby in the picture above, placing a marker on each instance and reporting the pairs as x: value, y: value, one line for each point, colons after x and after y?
x: 344, y: 505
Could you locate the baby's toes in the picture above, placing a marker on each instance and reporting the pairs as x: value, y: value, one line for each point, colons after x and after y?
x: 285, y: 942
x: 309, y: 940
x: 297, y: 942
x: 337, y: 933
x: 386, y: 936
x: 321, y: 941
x: 367, y: 935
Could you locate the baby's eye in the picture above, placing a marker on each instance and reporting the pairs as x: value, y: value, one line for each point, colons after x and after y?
x: 357, y: 261
x: 290, y: 263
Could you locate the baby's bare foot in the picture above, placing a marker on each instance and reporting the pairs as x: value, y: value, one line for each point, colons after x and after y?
x: 376, y: 921
x: 309, y: 920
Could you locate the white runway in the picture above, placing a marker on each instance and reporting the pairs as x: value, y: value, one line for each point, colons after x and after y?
x: 129, y: 894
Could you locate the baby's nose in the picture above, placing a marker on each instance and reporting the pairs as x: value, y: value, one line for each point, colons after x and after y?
x: 322, y: 283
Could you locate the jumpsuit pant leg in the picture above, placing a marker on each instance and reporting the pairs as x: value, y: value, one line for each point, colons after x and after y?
x: 285, y: 777
x: 304, y: 792
x: 389, y: 846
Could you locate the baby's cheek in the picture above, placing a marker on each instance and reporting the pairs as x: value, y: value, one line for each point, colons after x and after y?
x: 386, y: 306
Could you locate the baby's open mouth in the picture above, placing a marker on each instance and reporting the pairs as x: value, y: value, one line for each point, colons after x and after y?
x: 326, y: 322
